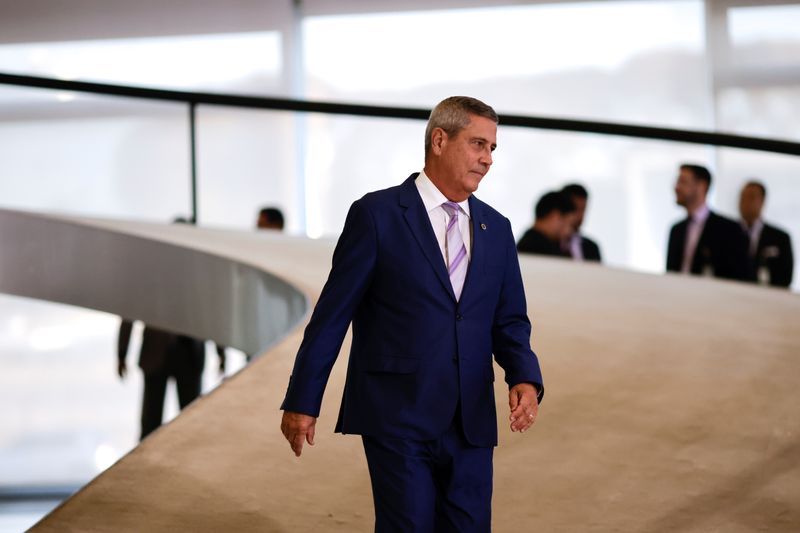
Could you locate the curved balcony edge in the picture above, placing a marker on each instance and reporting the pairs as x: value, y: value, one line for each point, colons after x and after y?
x: 178, y: 287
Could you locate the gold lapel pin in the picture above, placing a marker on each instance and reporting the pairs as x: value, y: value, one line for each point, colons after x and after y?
x: 483, y: 226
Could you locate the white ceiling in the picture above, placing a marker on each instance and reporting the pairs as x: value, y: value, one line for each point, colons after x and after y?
x: 58, y: 20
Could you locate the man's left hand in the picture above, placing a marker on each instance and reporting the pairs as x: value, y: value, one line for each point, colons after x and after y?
x: 522, y: 399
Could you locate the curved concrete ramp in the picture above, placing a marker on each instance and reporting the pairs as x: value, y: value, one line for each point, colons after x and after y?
x: 173, y: 277
x: 672, y: 405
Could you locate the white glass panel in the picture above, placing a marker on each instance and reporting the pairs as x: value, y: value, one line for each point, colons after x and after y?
x: 763, y: 111
x: 67, y: 416
x: 348, y: 157
x: 765, y: 36
x: 636, y: 61
x: 246, y: 160
x: 758, y: 24
x: 95, y: 156
x: 245, y: 61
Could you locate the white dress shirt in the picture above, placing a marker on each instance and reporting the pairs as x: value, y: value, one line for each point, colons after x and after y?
x: 433, y: 199
x: 575, y: 246
x: 697, y: 221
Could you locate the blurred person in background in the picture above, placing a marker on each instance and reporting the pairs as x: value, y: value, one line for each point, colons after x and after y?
x: 554, y: 224
x: 164, y: 355
x: 769, y: 250
x: 270, y: 218
x: 704, y: 243
x: 578, y: 246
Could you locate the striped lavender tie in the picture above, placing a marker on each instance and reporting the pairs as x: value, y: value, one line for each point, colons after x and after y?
x: 456, y: 250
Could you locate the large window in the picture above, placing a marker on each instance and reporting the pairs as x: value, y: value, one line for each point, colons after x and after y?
x: 199, y: 62
x: 757, y: 88
x: 95, y: 156
x: 730, y: 65
x: 765, y: 35
x: 636, y: 61
x: 623, y: 61
x: 113, y: 157
x: 67, y: 415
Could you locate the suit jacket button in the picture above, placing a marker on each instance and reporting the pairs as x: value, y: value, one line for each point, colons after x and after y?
x: 459, y: 317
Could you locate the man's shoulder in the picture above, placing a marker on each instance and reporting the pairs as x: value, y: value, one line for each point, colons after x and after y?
x: 774, y: 233
x: 590, y: 246
x: 534, y: 241
x: 589, y: 242
x: 678, y: 225
x: 531, y: 235
x: 486, y: 210
x: 722, y: 226
x: 723, y: 221
x: 388, y: 195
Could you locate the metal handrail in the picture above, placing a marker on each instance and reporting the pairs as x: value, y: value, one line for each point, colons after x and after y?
x: 193, y: 98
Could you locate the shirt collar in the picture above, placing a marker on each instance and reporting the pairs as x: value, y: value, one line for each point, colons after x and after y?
x: 701, y: 214
x: 433, y: 197
x: 757, y: 225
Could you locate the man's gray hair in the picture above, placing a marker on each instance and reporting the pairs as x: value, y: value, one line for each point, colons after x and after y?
x: 452, y: 115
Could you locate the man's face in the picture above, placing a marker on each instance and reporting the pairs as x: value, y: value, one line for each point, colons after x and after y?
x: 688, y: 189
x: 580, y: 211
x: 467, y: 156
x: 751, y: 203
x: 568, y: 225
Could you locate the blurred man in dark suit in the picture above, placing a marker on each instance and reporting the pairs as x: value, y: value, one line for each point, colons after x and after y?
x: 771, y: 261
x: 165, y: 355
x: 578, y: 246
x: 553, y: 225
x: 705, y: 243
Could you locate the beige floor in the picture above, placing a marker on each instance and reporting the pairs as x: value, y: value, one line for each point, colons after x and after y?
x: 672, y: 404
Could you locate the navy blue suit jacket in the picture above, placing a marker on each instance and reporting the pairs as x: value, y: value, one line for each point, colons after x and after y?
x: 773, y: 252
x: 416, y: 352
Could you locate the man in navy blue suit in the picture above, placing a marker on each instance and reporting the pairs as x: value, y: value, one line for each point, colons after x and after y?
x: 429, y: 277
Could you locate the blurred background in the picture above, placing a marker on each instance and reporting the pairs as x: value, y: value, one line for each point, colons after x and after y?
x: 726, y: 65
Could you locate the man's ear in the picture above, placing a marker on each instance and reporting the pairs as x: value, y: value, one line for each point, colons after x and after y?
x: 438, y: 140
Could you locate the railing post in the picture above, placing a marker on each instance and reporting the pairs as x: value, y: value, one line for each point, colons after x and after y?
x: 193, y: 156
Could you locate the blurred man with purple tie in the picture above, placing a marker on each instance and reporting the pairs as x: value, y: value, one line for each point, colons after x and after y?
x: 705, y: 243
x: 579, y: 246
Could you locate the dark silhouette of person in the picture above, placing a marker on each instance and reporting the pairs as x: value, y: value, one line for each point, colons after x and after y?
x: 704, y: 243
x: 164, y: 355
x: 553, y: 225
x: 771, y: 261
x: 270, y: 218
x: 579, y: 246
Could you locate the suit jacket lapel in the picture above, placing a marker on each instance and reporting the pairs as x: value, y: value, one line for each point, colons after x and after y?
x: 480, y: 232
x: 677, y: 248
x: 420, y: 225
x: 701, y: 250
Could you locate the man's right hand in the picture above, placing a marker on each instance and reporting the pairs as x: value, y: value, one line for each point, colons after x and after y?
x: 297, y: 427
